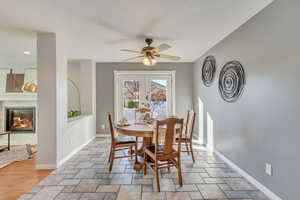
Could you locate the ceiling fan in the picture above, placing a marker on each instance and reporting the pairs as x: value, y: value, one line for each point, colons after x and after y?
x: 149, y: 53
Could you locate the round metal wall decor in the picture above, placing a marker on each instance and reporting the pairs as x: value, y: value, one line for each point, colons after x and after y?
x: 208, y: 70
x: 232, y: 81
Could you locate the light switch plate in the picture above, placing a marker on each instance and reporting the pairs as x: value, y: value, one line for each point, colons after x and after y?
x: 269, y: 170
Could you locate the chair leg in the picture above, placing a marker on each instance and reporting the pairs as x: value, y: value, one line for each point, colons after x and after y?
x: 157, y: 176
x: 131, y: 153
x: 136, y: 149
x: 191, y: 145
x: 109, y: 158
x: 112, y: 159
x: 179, y: 170
x: 145, y: 165
x: 187, y: 148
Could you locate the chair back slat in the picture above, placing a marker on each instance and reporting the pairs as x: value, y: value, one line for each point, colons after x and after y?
x: 113, y: 134
x: 170, y: 130
x: 189, y: 126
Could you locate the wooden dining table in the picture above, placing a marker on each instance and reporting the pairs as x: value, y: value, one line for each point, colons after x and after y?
x: 139, y: 130
x: 143, y: 130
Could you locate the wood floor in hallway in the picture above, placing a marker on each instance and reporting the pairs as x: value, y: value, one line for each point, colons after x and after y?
x: 18, y: 178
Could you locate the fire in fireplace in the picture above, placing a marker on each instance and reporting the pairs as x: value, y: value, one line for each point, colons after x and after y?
x: 20, y: 119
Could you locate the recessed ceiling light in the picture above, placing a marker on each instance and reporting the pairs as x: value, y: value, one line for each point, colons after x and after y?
x: 27, y: 52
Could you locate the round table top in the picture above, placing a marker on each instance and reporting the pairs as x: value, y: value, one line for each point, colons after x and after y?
x: 139, y: 130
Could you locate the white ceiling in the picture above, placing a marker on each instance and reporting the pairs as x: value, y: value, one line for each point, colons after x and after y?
x: 99, y: 29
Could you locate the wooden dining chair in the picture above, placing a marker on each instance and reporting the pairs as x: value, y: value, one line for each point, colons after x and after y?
x: 187, y: 136
x: 159, y: 156
x: 118, y: 145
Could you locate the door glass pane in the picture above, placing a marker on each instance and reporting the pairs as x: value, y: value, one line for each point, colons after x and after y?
x: 158, y: 101
x: 131, y: 98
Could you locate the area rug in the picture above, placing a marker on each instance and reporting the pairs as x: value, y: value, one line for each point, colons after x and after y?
x: 17, y: 153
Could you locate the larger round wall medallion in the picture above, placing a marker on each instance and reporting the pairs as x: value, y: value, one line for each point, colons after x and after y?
x: 208, y: 70
x: 232, y: 81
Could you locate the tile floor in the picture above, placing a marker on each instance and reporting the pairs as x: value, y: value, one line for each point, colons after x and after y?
x: 85, y: 177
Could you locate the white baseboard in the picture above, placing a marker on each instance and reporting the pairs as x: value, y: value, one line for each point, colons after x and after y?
x: 45, y: 166
x: 54, y: 166
x: 252, y: 180
x: 102, y: 135
x: 65, y: 159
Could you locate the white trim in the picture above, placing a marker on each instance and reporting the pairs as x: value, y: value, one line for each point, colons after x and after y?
x: 116, y: 92
x: 102, y: 135
x: 74, y: 152
x: 157, y: 72
x: 18, y: 96
x: 46, y: 166
x: 252, y: 180
x: 173, y: 84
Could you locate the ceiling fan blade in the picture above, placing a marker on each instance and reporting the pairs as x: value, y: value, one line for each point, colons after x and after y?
x: 174, y: 58
x: 132, y: 51
x: 163, y: 47
x: 133, y: 58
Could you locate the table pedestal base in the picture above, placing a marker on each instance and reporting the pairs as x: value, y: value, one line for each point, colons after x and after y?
x: 140, y: 152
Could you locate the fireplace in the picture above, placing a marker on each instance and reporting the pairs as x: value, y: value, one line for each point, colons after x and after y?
x: 20, y: 119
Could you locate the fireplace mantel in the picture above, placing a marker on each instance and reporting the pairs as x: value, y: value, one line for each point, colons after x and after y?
x: 18, y: 96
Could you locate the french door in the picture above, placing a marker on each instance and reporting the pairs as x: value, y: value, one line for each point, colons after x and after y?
x: 144, y: 89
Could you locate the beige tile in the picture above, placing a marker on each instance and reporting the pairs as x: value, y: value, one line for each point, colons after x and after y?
x: 237, y: 194
x: 108, y: 188
x: 92, y: 196
x: 239, y: 184
x: 130, y: 192
x: 147, y: 188
x: 48, y: 193
x: 195, y: 195
x: 52, y: 179
x: 69, y: 182
x: 68, y: 196
x: 186, y: 188
x: 165, y: 185
x: 87, y: 185
x: 211, y: 191
x: 154, y: 196
x: 213, y: 180
x: 177, y: 196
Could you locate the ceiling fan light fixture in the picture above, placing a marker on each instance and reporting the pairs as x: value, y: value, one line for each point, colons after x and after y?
x: 149, y: 61
x: 149, y: 53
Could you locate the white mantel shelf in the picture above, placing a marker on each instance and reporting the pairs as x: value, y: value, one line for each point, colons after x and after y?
x: 18, y: 96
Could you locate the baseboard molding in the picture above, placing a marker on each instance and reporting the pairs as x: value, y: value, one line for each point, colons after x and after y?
x: 101, y: 135
x: 252, y: 180
x: 45, y: 166
x: 65, y: 159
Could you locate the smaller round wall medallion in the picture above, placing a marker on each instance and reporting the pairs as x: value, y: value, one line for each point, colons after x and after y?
x: 232, y: 81
x: 208, y: 70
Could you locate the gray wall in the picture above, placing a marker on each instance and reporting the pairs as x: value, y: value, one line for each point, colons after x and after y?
x: 105, y: 86
x: 263, y: 125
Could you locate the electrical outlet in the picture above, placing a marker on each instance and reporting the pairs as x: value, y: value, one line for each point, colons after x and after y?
x: 103, y: 126
x: 269, y: 170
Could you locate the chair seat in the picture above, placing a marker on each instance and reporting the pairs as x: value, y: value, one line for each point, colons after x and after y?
x: 125, y: 143
x: 183, y: 139
x: 150, y: 150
